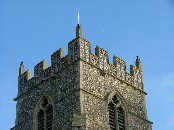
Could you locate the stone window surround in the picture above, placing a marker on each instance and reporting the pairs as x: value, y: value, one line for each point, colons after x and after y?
x: 121, y: 104
x: 38, y: 108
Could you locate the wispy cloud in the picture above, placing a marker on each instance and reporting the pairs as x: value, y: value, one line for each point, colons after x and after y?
x: 165, y: 84
x: 163, y: 98
x: 170, y: 124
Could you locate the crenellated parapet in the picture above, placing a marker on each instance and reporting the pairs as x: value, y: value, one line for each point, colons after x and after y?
x: 118, y: 69
x: 80, y: 49
x: 84, y: 89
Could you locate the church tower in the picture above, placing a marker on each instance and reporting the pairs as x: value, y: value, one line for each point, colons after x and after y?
x: 81, y: 91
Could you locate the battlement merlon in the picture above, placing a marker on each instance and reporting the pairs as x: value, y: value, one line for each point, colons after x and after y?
x: 21, y: 68
x: 39, y: 68
x: 56, y: 56
x: 119, y: 63
x: 56, y: 60
x: 24, y: 76
x: 23, y: 73
x: 101, y: 53
x: 80, y: 48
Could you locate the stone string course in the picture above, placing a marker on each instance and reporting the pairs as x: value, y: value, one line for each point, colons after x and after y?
x: 99, y: 60
x: 77, y: 85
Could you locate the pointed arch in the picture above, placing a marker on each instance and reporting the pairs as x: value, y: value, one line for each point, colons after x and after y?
x: 43, y: 114
x: 117, y: 111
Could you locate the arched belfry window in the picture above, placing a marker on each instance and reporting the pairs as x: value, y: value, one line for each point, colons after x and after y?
x: 45, y: 116
x: 116, y: 114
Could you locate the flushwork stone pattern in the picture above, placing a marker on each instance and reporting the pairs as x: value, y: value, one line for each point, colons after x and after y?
x: 79, y: 86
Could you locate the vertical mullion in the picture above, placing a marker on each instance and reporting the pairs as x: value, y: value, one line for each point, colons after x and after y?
x: 116, y: 118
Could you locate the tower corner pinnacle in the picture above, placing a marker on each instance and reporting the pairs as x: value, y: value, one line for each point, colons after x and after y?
x: 79, y: 33
x: 138, y: 63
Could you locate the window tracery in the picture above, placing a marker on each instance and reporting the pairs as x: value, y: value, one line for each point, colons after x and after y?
x: 45, y: 116
x: 116, y: 114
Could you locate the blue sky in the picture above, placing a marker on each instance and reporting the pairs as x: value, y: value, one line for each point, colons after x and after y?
x: 32, y: 30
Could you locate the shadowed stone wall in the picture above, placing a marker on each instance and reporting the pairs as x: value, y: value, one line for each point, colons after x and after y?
x: 79, y: 86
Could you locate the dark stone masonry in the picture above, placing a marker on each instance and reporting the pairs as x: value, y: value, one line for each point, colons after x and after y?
x: 81, y: 91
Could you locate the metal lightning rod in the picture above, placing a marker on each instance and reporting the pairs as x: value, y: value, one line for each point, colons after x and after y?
x: 78, y: 18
